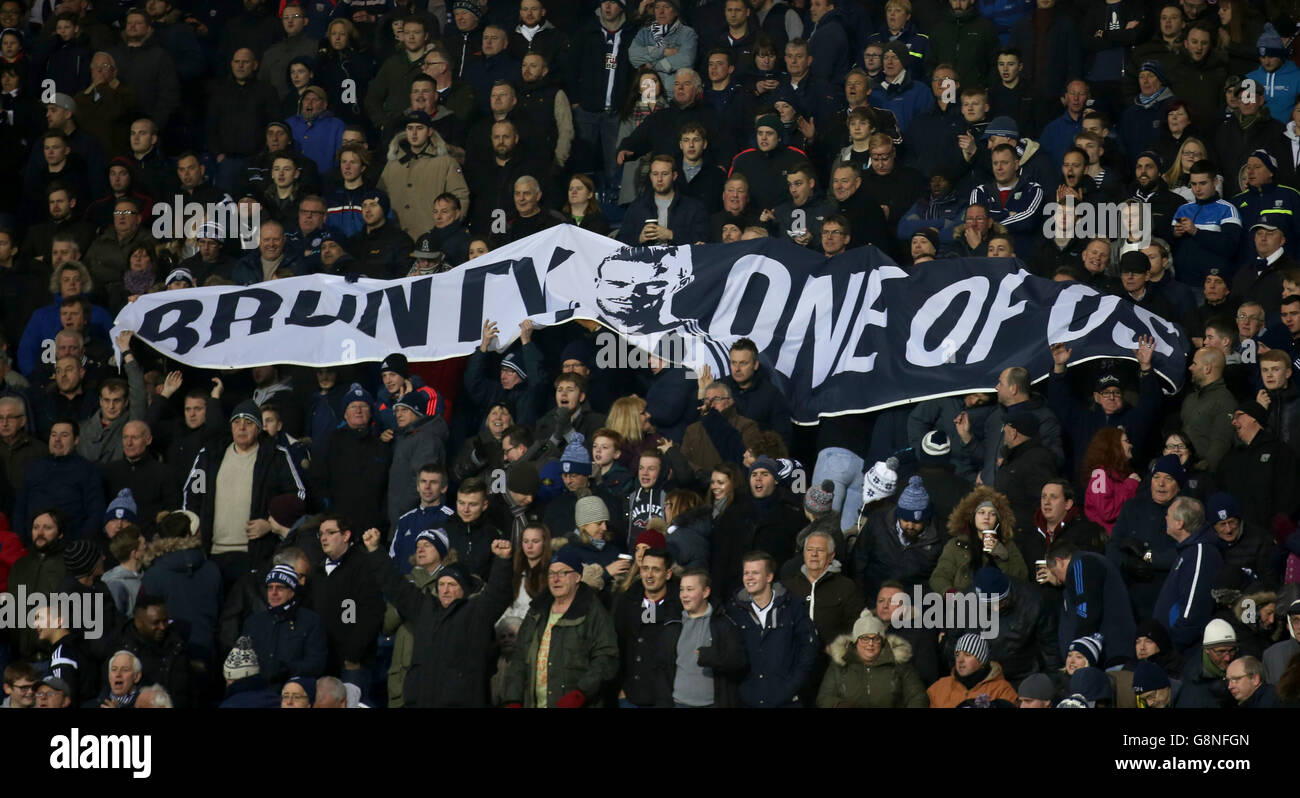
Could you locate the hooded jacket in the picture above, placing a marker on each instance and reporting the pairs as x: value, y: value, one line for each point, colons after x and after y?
x: 414, y: 179
x: 1185, y: 605
x: 964, y: 553
x: 781, y: 651
x: 888, y: 683
x: 833, y: 601
x: 177, y: 571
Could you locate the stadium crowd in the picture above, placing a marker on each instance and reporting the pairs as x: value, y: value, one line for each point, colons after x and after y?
x: 529, y: 526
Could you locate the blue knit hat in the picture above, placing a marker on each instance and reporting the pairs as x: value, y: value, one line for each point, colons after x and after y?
x: 307, y: 683
x: 1265, y: 157
x: 914, y: 503
x: 1089, y: 647
x: 772, y: 466
x: 357, y: 394
x: 515, y: 363
x: 285, y: 575
x: 570, y: 557
x: 575, y: 459
x: 1170, y: 464
x: 438, y: 538
x: 1270, y: 44
x: 247, y: 409
x: 1155, y: 69
x: 1148, y: 676
x: 380, y: 196
x: 580, y: 350
x: 1221, y: 507
x: 122, y: 507
x: 991, y: 584
x: 1093, y: 684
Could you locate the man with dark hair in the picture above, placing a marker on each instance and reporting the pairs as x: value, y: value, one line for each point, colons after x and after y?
x: 1014, y: 395
x: 661, y: 216
x: 40, y: 570
x: 100, y: 440
x: 146, y: 66
x: 155, y: 641
x: 780, y: 639
x: 448, y: 234
x: 430, y: 513
x: 346, y: 595
x: 757, y: 397
x: 1207, y: 231
x: 65, y: 480
x: 800, y: 219
x: 1095, y: 600
x: 640, y: 616
x: 700, y: 177
x: 470, y: 531
x: 1011, y: 201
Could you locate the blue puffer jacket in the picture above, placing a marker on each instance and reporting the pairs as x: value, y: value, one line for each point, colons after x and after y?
x: 1216, y: 243
x: 191, y: 584
x: 44, y: 325
x: 781, y: 652
x: 905, y: 100
x: 1185, y: 605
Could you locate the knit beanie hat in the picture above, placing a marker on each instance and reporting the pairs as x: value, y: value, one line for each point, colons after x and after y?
x: 122, y: 507
x: 286, y: 509
x: 284, y: 575
x: 1270, y: 43
x: 413, y: 401
x: 1221, y: 507
x: 568, y: 556
x: 936, y: 449
x: 868, y: 624
x: 522, y: 478
x: 820, y: 499
x: 880, y: 481
x: 514, y: 363
x: 247, y: 409
x: 575, y: 459
x: 580, y: 350
x: 1156, y: 633
x: 1217, y: 632
x: 1089, y: 647
x: 1093, y: 684
x: 991, y: 584
x: 80, y: 558
x: 590, y: 510
x: 652, y: 538
x: 308, y: 684
x: 1037, y: 686
x: 1154, y: 68
x: 1169, y: 464
x: 397, y: 364
x: 914, y: 503
x: 438, y: 538
x: 455, y: 571
x: 765, y: 462
x: 768, y: 120
x: 357, y: 394
x: 241, y: 662
x: 470, y: 6
x: 974, y: 645
x: 1148, y: 676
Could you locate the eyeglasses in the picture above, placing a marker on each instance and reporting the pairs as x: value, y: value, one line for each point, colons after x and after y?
x: 1175, y: 447
x: 1111, y: 394
x: 826, y: 232
x: 871, y: 640
x: 1248, y: 317
x: 311, y: 212
x: 133, y: 213
x: 716, y: 399
x: 558, y: 574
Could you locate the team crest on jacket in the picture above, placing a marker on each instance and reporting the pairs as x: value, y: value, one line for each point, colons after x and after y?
x: 1263, y: 458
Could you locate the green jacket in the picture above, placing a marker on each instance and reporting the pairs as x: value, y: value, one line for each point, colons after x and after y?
x: 954, y: 569
x: 583, y: 654
x: 969, y: 42
x: 890, y: 682
x: 403, y: 638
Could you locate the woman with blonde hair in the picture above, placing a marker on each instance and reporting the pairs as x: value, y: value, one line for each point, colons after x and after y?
x: 628, y: 417
x: 1178, y: 175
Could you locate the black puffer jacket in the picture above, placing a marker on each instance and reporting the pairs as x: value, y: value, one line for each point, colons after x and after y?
x: 725, y: 657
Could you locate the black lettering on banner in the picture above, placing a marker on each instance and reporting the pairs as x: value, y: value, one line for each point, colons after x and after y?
x: 268, y: 304
x: 471, y: 298
x: 304, y: 311
x: 410, y: 319
x: 178, y: 329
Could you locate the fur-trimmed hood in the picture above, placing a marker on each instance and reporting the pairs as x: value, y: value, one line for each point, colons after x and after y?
x: 399, y: 149
x: 843, y: 651
x: 163, y: 546
x: 963, y: 515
